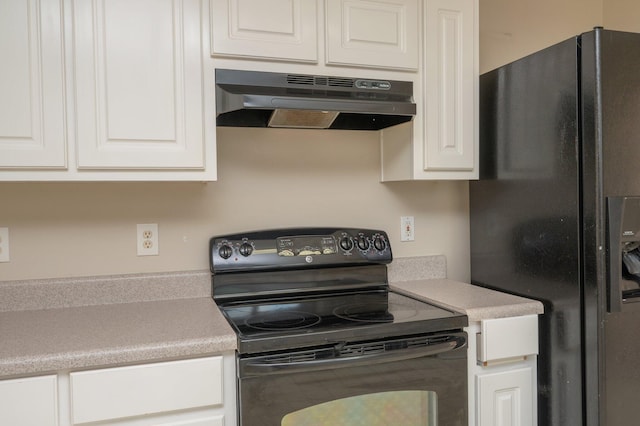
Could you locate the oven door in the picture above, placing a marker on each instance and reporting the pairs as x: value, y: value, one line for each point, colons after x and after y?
x: 410, y: 381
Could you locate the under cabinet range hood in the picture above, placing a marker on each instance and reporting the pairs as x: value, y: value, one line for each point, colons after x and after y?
x: 266, y: 99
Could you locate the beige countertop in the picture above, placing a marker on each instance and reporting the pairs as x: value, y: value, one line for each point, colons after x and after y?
x: 48, y: 326
x: 50, y: 340
x: 477, y: 302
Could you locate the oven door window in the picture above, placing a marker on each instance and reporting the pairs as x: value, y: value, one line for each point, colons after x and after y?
x: 410, y: 408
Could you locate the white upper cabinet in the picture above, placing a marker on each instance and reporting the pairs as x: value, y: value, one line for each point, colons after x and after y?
x: 442, y: 141
x: 382, y: 34
x: 379, y: 34
x: 139, y: 84
x: 431, y: 43
x: 274, y: 29
x: 32, y: 103
x: 450, y: 85
x: 106, y: 90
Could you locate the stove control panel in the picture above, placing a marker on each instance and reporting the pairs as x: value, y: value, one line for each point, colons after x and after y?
x: 297, y: 248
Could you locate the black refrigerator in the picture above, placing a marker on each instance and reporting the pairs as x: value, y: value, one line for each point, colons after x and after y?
x: 555, y: 216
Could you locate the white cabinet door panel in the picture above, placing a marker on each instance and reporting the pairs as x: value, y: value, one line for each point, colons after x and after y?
x: 139, y: 84
x: 29, y: 402
x: 450, y: 85
x: 274, y: 29
x: 32, y: 102
x: 380, y: 34
x: 506, y: 398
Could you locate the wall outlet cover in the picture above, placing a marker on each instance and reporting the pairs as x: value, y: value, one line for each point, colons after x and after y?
x: 147, y: 239
x: 407, y: 231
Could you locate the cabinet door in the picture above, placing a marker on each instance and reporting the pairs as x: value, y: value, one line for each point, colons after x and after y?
x: 450, y: 85
x: 380, y: 34
x: 139, y: 84
x: 28, y: 402
x: 505, y: 398
x: 274, y: 29
x: 32, y: 106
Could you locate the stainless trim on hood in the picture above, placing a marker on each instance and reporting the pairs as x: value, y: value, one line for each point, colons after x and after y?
x: 265, y: 99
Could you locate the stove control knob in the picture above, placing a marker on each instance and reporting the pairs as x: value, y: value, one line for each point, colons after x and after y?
x: 225, y: 251
x: 245, y: 249
x: 346, y: 243
x: 363, y: 243
x: 379, y: 243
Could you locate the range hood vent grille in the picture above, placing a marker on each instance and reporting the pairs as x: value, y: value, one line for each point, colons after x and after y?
x: 314, y: 80
x: 266, y: 99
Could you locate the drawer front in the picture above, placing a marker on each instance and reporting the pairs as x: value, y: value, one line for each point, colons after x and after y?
x: 505, y: 338
x: 145, y: 389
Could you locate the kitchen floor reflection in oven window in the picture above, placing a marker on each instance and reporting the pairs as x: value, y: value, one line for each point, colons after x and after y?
x: 415, y: 408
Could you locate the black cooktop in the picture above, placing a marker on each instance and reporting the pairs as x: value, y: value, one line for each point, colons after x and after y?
x: 297, y: 288
x: 303, y: 321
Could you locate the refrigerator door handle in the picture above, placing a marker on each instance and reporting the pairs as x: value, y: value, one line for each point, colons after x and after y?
x: 615, y: 208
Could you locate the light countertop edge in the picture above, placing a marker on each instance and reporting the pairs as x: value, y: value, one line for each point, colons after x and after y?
x: 53, y: 340
x: 36, y: 341
x: 477, y: 303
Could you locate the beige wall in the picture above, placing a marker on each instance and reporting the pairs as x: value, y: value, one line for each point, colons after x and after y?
x: 510, y: 29
x: 276, y: 178
x: 623, y: 15
x: 266, y: 179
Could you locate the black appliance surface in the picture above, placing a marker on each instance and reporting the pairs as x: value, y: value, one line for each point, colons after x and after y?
x: 317, y: 324
x: 273, y: 386
x: 559, y: 176
x: 295, y: 322
x: 291, y: 288
x: 267, y: 99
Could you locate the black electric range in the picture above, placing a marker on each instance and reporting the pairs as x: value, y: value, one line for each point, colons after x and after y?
x: 289, y: 289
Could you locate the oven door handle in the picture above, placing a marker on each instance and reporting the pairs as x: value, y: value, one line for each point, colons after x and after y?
x: 257, y: 368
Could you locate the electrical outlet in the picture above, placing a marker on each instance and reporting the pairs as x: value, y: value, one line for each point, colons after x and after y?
x: 147, y: 239
x: 4, y: 244
x: 406, y: 228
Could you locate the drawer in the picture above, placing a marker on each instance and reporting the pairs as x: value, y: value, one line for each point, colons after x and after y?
x: 508, y: 338
x: 145, y: 389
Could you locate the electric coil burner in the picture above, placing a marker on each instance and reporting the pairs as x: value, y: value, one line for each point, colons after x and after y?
x: 304, y: 302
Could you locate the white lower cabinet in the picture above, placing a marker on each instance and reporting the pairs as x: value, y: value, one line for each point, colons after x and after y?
x: 503, y: 374
x: 192, y: 392
x: 114, y: 393
x: 505, y: 398
x: 30, y: 401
